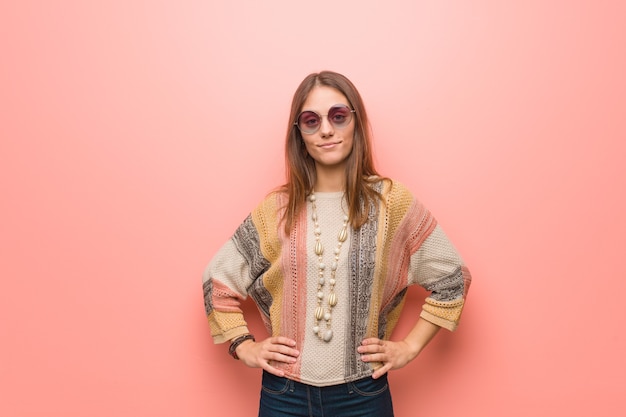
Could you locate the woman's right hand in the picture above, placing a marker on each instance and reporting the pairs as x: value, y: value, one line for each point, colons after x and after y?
x: 267, y: 352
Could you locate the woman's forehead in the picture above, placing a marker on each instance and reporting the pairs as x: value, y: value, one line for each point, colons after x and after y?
x: 321, y: 98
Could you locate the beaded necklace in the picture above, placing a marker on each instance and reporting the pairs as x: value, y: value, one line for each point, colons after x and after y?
x: 325, y: 334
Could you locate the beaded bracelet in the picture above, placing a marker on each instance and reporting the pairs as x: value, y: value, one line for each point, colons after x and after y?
x: 237, y: 341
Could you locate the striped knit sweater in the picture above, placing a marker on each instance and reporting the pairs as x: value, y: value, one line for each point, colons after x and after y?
x: 400, y: 245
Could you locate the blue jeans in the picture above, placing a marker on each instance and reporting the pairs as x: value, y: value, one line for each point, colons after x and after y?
x: 366, y: 397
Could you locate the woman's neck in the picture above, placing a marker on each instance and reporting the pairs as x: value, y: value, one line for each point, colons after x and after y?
x: 328, y: 181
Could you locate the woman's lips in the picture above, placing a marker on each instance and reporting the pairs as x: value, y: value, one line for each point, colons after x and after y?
x: 328, y: 145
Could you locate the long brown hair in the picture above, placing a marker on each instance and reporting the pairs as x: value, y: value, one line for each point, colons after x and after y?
x: 360, y: 171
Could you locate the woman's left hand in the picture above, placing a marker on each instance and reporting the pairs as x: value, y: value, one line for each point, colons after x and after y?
x: 393, y: 355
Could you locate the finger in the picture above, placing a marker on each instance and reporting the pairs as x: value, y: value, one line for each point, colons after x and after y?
x: 280, y: 357
x: 282, y: 340
x: 274, y: 371
x: 381, y: 371
x: 370, y: 350
x: 285, y: 350
x: 377, y: 348
x: 371, y: 347
x: 374, y: 357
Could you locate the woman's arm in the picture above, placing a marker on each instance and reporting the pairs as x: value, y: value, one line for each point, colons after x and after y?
x: 395, y: 355
x: 265, y: 353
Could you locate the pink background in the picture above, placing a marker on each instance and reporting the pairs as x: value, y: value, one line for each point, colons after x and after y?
x: 135, y: 136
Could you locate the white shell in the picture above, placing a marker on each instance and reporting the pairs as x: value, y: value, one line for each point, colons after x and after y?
x: 319, y: 249
x: 316, y: 329
x: 327, y: 316
x: 332, y: 299
x: 328, y: 334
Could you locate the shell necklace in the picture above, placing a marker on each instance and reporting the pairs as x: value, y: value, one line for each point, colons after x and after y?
x: 325, y: 334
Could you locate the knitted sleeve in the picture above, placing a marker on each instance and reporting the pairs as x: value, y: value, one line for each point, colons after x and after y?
x: 421, y: 253
x: 437, y: 267
x: 226, y: 281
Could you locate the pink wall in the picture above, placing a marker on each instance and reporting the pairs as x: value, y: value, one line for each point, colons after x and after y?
x: 134, y: 139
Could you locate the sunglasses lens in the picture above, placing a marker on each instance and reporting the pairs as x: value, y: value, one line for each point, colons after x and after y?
x: 340, y: 116
x: 309, y: 122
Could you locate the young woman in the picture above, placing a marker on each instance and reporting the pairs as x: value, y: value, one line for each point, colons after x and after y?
x: 328, y: 259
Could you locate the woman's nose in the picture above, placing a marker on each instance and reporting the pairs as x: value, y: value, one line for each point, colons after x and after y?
x: 326, y: 128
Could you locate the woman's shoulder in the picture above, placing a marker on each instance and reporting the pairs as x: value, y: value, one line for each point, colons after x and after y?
x: 391, y: 188
x: 273, y: 201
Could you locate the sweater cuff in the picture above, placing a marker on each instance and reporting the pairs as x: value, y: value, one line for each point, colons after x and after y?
x: 230, y: 334
x: 226, y: 326
x: 445, y: 314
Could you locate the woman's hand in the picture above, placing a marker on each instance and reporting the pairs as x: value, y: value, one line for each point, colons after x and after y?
x: 267, y: 352
x: 393, y: 355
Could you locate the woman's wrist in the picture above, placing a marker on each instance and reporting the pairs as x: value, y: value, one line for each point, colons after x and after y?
x: 232, y: 349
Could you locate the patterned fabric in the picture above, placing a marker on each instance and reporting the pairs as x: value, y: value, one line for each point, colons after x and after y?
x: 400, y: 245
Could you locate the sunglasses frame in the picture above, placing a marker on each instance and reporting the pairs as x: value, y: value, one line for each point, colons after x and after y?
x: 320, y: 116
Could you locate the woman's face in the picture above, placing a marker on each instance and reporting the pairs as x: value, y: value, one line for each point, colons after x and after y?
x: 329, y: 146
